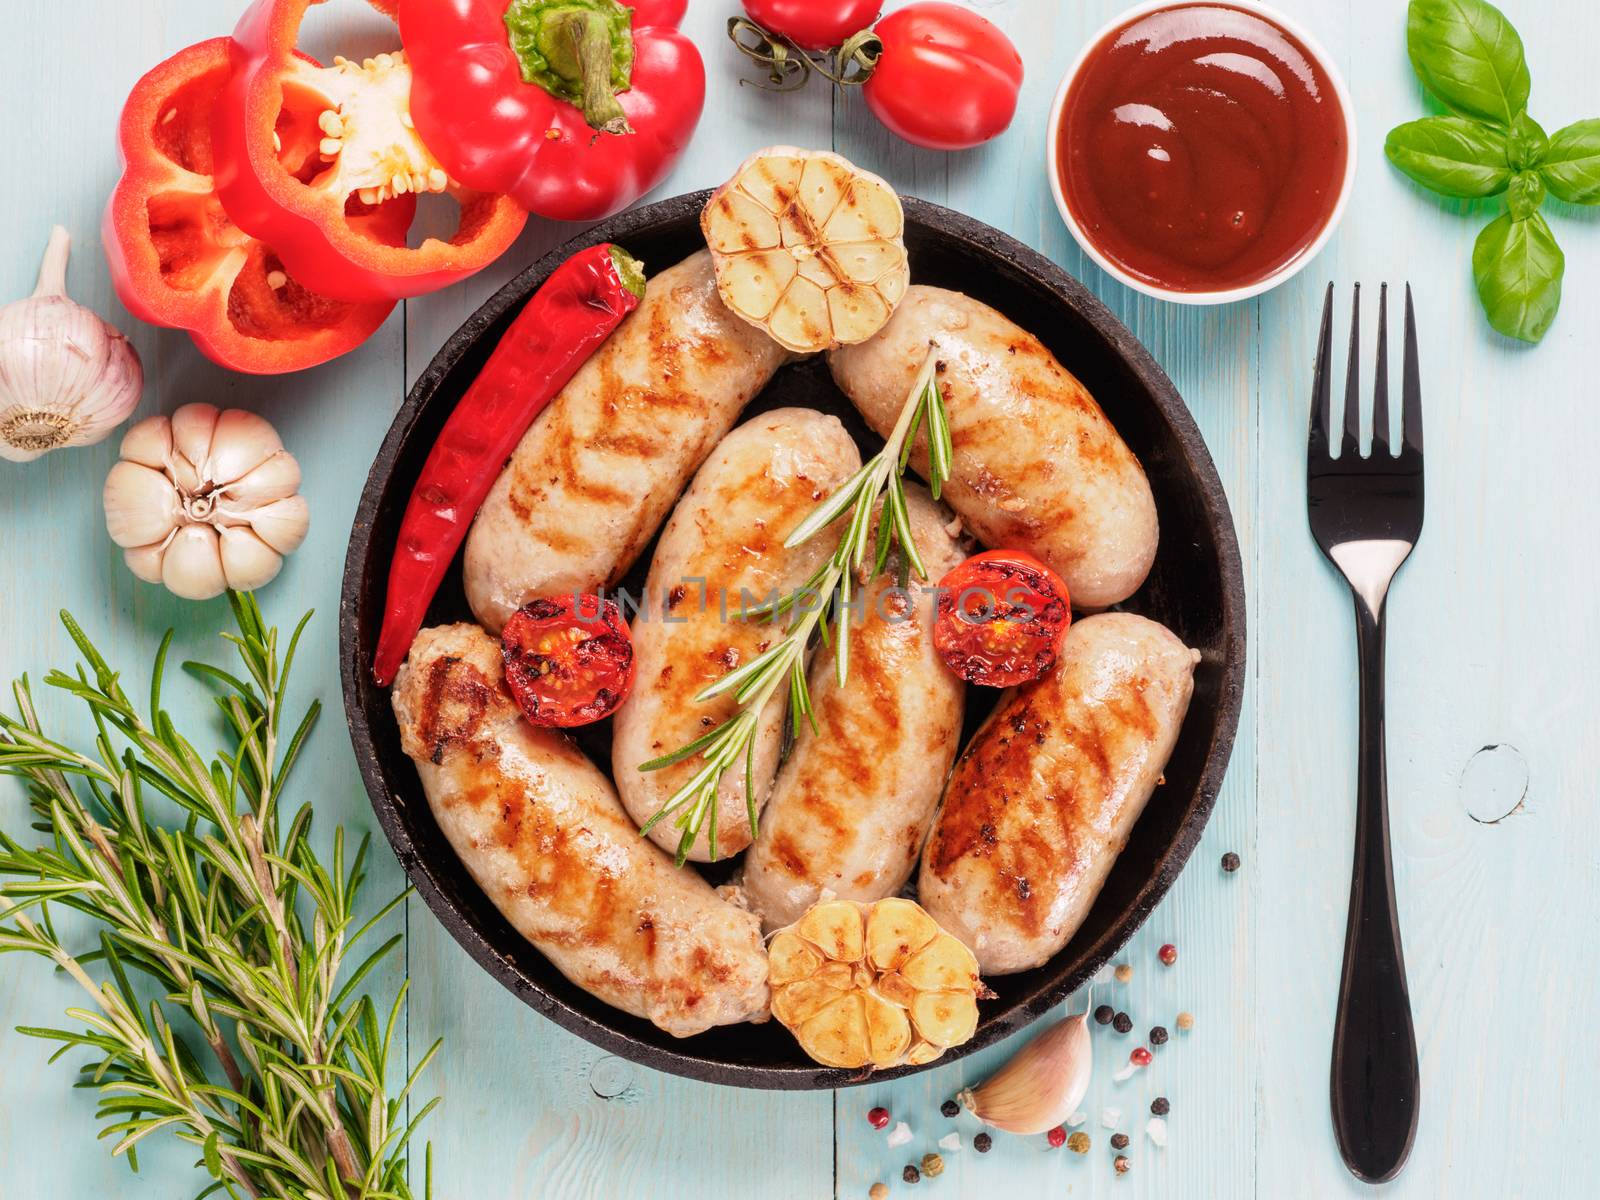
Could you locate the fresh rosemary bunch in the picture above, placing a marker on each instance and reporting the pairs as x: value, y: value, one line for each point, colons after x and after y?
x: 822, y: 603
x: 242, y: 933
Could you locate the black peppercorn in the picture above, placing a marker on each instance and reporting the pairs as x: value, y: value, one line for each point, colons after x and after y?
x: 981, y: 1143
x: 1122, y: 1023
x: 910, y: 1174
x: 1160, y: 1106
x: 950, y: 1108
x: 1230, y: 862
x: 1103, y: 1014
x: 1158, y: 1036
x: 1119, y: 1141
x: 1122, y: 1164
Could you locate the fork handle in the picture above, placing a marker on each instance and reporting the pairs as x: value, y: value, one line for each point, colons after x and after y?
x: 1375, y: 1084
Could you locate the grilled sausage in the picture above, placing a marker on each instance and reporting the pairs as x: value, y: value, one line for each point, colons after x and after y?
x: 725, y: 539
x: 541, y: 831
x: 1037, y: 466
x: 592, y: 479
x: 851, y: 806
x: 1044, y: 798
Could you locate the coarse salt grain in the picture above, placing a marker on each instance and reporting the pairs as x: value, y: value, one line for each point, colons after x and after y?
x: 950, y: 1141
x: 900, y: 1134
x: 1110, y: 1117
x: 1157, y: 1129
x: 1125, y: 1074
x: 1076, y: 1119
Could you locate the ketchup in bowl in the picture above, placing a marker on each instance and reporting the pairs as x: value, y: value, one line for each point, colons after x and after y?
x: 1201, y: 147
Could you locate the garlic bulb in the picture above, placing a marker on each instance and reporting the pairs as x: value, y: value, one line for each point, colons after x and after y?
x: 205, y: 500
x: 66, y: 377
x: 1042, y: 1084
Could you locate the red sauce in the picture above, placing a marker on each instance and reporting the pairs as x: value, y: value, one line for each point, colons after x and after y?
x: 1202, y: 147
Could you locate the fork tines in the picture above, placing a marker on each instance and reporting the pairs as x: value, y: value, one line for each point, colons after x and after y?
x: 1411, y: 389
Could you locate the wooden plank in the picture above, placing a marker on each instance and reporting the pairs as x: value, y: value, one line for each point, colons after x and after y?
x: 529, y: 1109
x: 1484, y: 641
x: 1209, y: 354
x: 53, y: 541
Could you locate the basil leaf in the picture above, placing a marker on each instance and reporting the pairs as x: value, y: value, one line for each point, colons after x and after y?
x: 1525, y: 195
x: 1454, y: 156
x: 1526, y: 143
x: 1469, y: 56
x: 1517, y: 267
x: 1571, y: 164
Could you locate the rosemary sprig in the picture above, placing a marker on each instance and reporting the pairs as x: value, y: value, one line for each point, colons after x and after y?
x: 243, y: 931
x: 820, y: 605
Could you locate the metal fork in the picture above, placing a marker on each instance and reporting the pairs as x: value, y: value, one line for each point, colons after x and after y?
x: 1366, y: 515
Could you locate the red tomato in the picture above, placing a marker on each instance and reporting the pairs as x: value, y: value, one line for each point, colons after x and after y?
x: 814, y: 24
x: 948, y: 79
x: 568, y: 665
x: 1001, y: 617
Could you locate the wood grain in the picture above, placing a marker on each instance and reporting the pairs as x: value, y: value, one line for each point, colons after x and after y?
x: 1493, y: 641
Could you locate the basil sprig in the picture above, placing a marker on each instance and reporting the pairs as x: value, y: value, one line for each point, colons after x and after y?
x: 1469, y: 57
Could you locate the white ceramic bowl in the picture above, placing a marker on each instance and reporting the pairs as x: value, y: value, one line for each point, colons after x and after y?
x: 1287, y: 270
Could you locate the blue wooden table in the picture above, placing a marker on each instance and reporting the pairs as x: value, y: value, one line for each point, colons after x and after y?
x: 1492, y: 703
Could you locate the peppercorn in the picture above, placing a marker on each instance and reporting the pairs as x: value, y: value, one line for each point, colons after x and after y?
x: 1057, y: 1136
x: 1160, y: 1106
x: 878, y: 1118
x: 1103, y: 1014
x: 981, y: 1143
x: 1158, y: 1035
x: 1122, y: 1164
x: 1124, y: 972
x: 949, y: 1108
x: 1119, y: 1141
x: 878, y: 1191
x: 1230, y: 862
x: 910, y: 1174
x: 1122, y: 1023
x: 932, y: 1165
x: 1078, y: 1143
x: 1168, y: 954
x: 1185, y: 1021
x: 1140, y: 1057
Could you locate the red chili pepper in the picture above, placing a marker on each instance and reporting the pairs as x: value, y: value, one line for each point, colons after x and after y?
x: 177, y: 260
x: 557, y: 330
x: 511, y: 97
x: 298, y: 148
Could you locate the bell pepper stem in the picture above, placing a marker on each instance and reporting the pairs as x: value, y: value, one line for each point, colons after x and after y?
x: 586, y: 36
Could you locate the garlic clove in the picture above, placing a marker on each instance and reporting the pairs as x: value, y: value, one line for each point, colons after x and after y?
x: 1040, y: 1087
x: 145, y: 561
x: 149, y: 443
x: 281, y: 524
x: 247, y: 561
x: 141, y: 505
x: 275, y: 479
x: 192, y: 564
x: 241, y: 442
x: 192, y: 427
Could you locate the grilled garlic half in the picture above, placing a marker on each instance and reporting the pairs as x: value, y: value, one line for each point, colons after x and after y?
x: 205, y: 500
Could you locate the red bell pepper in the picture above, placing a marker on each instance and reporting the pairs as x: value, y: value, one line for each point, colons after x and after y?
x: 298, y: 146
x: 574, y: 107
x: 177, y: 260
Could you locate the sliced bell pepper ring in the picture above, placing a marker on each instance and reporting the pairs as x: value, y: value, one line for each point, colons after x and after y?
x: 178, y: 261
x: 300, y: 150
x: 575, y: 107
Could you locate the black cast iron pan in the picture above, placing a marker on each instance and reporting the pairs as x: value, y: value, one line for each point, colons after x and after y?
x: 1196, y: 589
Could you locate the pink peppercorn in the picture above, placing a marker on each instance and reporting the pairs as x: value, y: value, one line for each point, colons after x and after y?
x: 878, y: 1118
x: 1057, y: 1136
x: 1168, y: 954
x: 1140, y: 1057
